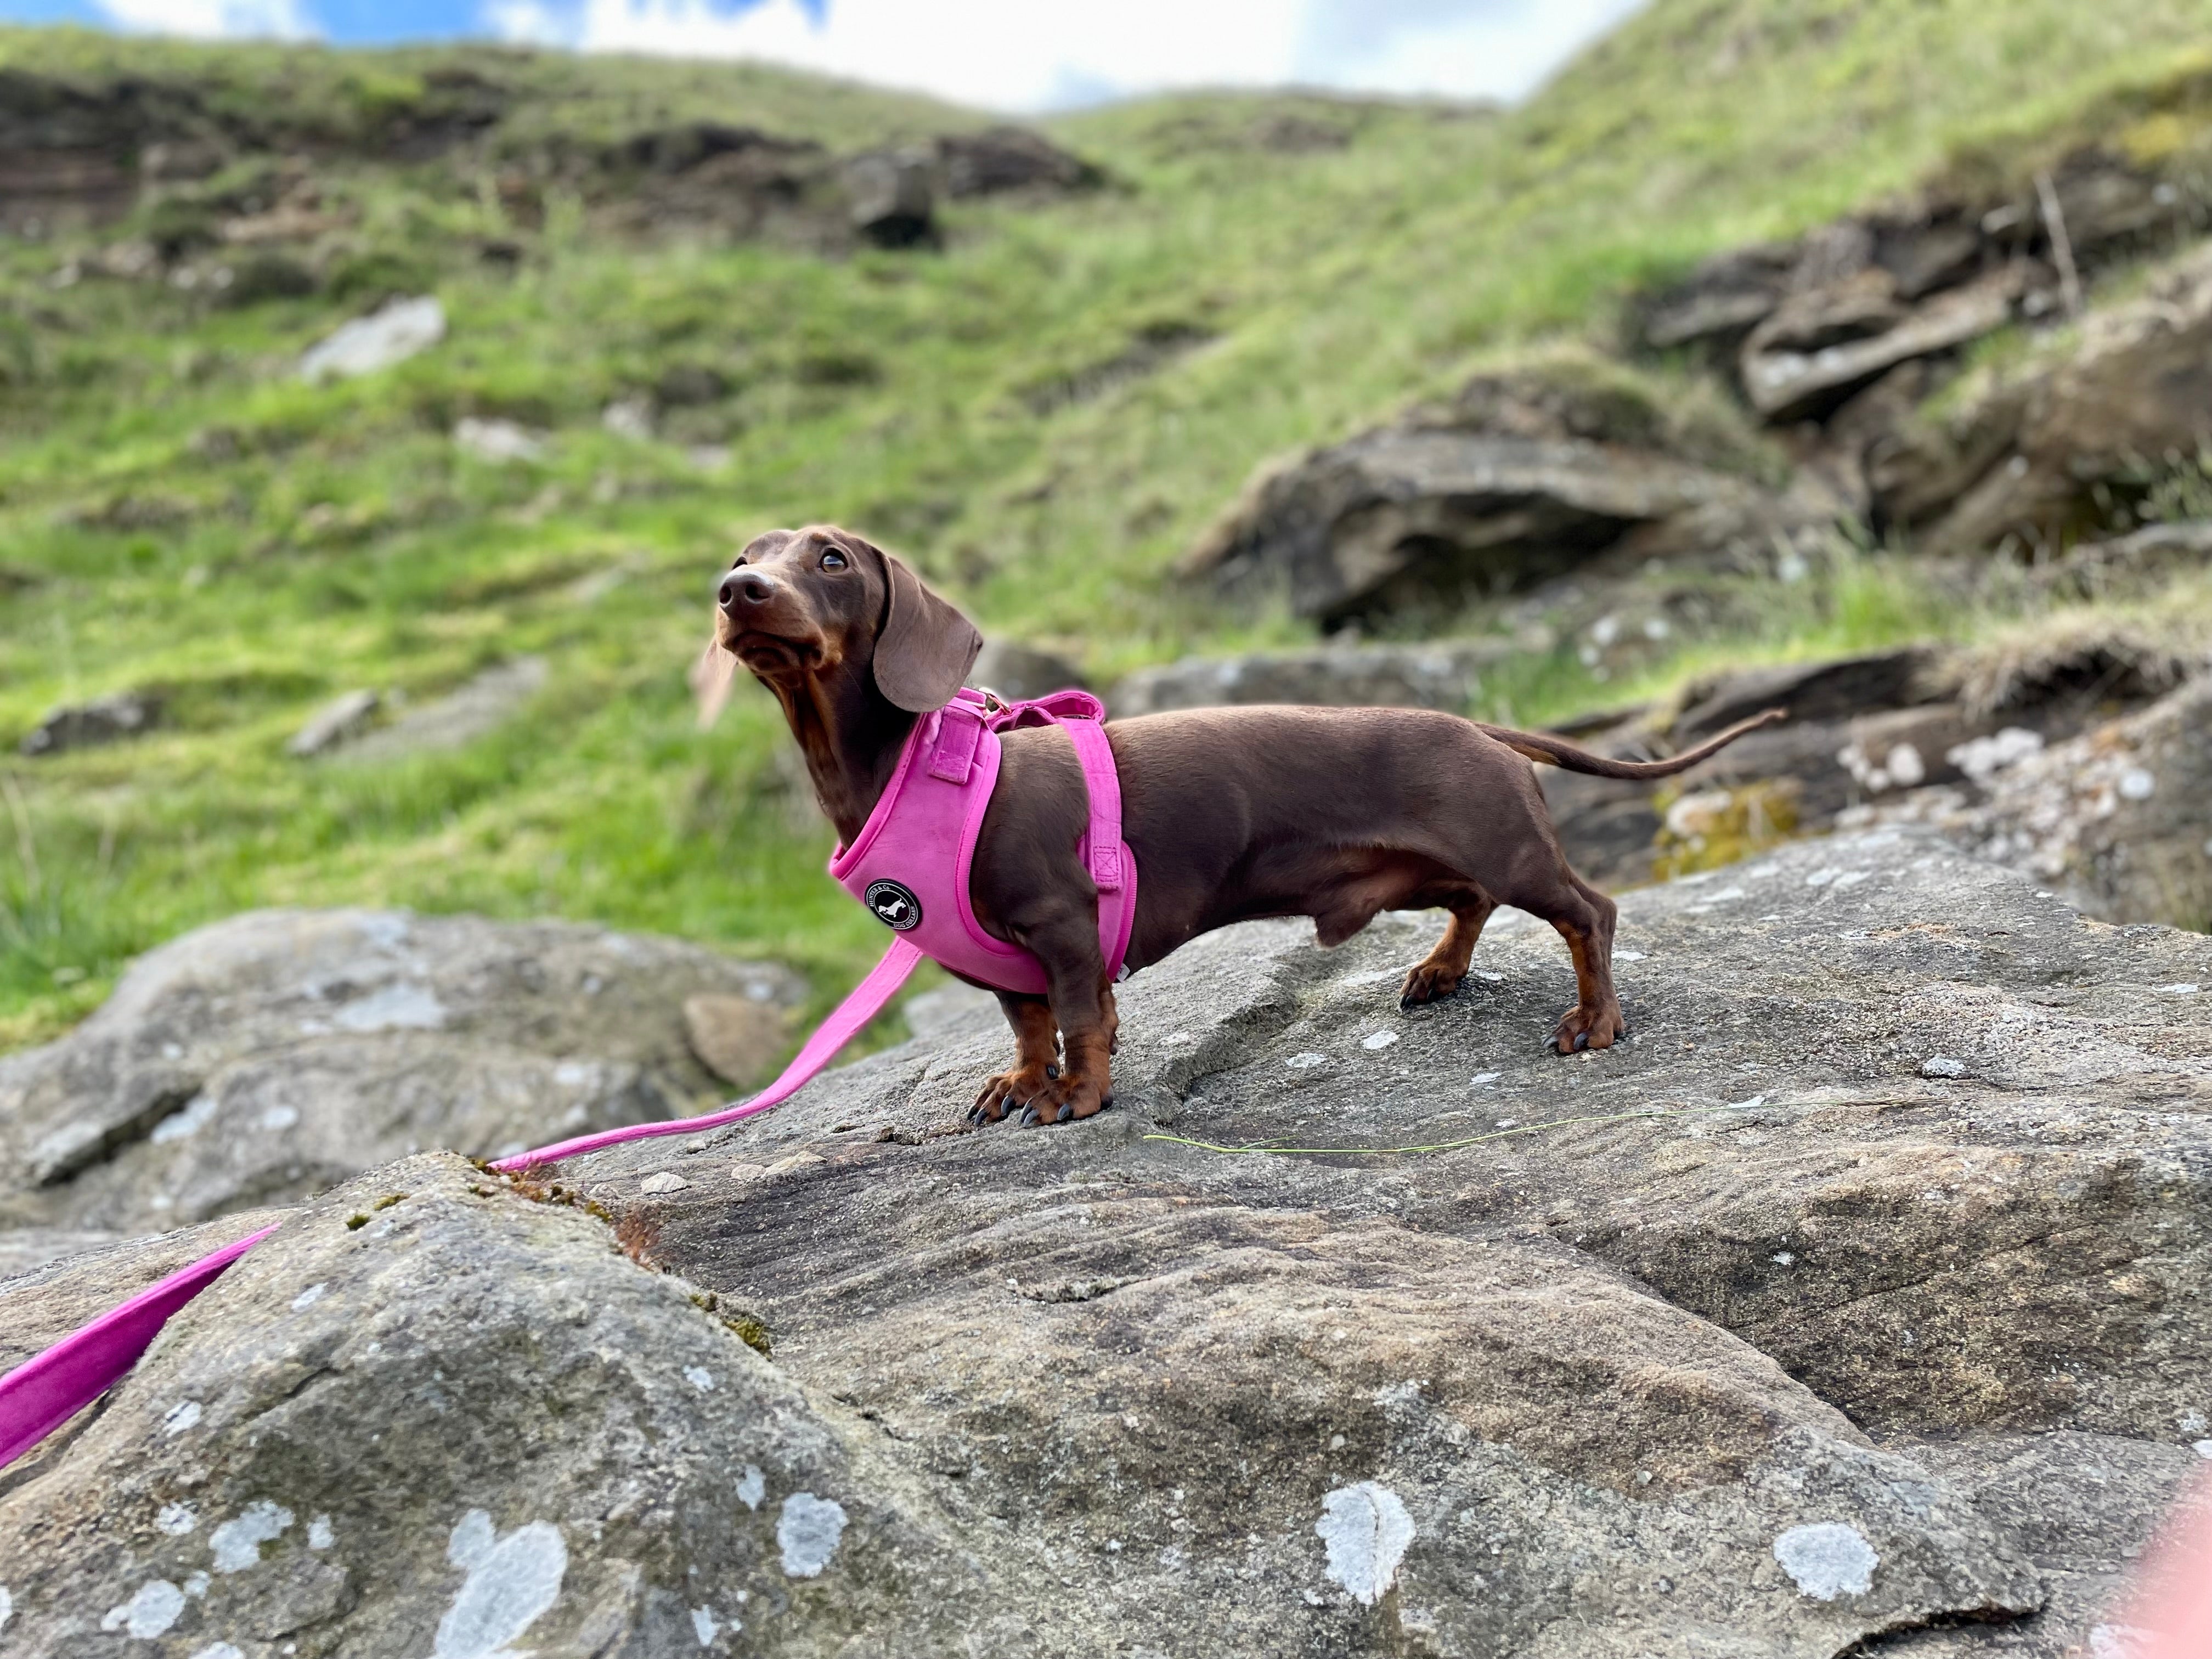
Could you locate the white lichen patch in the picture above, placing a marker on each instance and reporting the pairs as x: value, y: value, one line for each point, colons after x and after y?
x: 320, y: 1535
x: 2203, y: 1450
x: 399, y: 1006
x: 752, y: 1486
x: 6, y: 1606
x: 703, y: 1626
x: 219, y: 1650
x: 700, y: 1378
x: 149, y: 1612
x: 190, y: 1120
x: 1378, y: 1040
x: 237, y: 1542
x: 308, y: 1298
x: 177, y: 1519
x: 1366, y: 1531
x: 1307, y: 1061
x: 1826, y: 1560
x: 1942, y: 1066
x: 511, y: 1581
x: 185, y: 1414
x: 807, y: 1532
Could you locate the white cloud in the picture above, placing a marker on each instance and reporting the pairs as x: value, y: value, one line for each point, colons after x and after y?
x: 1038, y: 54
x: 210, y: 19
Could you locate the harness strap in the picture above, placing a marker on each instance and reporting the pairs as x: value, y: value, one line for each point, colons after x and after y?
x: 46, y: 1390
x: 1102, y: 841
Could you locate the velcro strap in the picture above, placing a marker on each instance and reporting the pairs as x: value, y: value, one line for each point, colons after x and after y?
x: 1102, y: 841
x: 960, y: 728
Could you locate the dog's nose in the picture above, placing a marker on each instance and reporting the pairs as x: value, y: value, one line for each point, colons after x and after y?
x: 744, y: 587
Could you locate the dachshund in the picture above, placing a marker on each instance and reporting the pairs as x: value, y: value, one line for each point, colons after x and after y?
x: 1231, y: 814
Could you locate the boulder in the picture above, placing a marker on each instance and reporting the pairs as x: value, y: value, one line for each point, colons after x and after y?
x: 1415, y: 518
x: 394, y: 332
x: 1010, y: 158
x: 738, y: 1038
x: 335, y: 724
x: 1858, y: 1300
x: 1533, y: 470
x: 111, y: 719
x: 473, y: 710
x: 272, y: 1055
x: 1444, y: 674
x: 893, y: 195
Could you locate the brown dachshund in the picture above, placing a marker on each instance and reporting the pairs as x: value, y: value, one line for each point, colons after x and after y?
x: 1231, y: 813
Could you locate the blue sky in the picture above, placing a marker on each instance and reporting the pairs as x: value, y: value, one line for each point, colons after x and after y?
x: 1013, y: 55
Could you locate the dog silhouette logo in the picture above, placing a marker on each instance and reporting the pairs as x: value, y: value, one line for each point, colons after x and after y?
x: 894, y: 906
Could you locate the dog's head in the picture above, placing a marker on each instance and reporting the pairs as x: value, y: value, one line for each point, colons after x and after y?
x: 819, y: 604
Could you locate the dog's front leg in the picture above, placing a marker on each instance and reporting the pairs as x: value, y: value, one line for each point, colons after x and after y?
x: 1066, y: 940
x: 1037, y: 1056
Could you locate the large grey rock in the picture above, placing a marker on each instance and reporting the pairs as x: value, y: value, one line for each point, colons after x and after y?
x: 1444, y: 674
x: 1414, y: 517
x: 1859, y: 1299
x: 1016, y: 672
x: 277, y: 1053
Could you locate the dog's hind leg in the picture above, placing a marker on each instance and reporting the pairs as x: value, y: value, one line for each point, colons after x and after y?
x: 1584, y: 918
x: 1438, y: 975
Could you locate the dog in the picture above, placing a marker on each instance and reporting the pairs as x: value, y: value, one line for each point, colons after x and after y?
x: 1231, y: 814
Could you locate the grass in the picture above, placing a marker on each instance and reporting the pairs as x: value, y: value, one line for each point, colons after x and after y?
x: 179, y: 513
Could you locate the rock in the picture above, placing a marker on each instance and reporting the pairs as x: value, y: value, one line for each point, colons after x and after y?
x: 1533, y: 472
x: 274, y: 1053
x: 498, y: 440
x: 2023, y: 456
x: 1818, y: 347
x: 335, y: 724
x: 2120, y: 818
x: 1019, y: 671
x: 738, y: 1038
x: 1747, y: 1336
x: 1836, y: 689
x: 1443, y: 675
x: 392, y: 334
x: 111, y: 719
x: 629, y: 418
x: 1402, y: 519
x: 476, y: 710
x: 1720, y: 301
x: 304, y: 1458
x: 893, y: 196
x: 949, y: 1007
x: 1009, y: 158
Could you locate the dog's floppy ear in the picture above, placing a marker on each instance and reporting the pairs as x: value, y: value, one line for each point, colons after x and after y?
x: 926, y: 646
x: 711, y: 678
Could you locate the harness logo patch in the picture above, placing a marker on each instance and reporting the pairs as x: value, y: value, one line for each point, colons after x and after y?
x: 894, y: 906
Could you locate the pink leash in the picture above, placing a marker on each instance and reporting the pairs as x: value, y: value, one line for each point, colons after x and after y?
x: 44, y: 1392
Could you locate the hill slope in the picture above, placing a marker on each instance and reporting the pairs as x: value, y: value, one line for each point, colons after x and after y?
x: 1042, y: 412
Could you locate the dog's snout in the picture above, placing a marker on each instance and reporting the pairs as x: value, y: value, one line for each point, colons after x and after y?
x: 744, y: 587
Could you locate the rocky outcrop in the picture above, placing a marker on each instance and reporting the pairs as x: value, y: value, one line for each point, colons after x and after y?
x: 2024, y: 454
x: 1017, y: 671
x: 1528, y: 476
x: 1756, y: 1334
x: 1447, y: 674
x: 268, y: 1056
x: 474, y: 709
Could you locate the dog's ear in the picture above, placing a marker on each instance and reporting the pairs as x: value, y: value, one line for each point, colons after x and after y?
x: 927, y: 647
x: 711, y: 678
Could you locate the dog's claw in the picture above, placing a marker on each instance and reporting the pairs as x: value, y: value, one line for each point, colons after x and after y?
x: 1582, y: 1041
x: 1029, y: 1118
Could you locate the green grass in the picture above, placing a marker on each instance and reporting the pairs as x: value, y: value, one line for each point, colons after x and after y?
x: 176, y: 512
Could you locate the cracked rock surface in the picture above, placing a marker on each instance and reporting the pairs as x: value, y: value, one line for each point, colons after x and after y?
x: 1855, y: 1305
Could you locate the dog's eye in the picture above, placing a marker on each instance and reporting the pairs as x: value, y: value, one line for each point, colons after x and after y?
x: 833, y: 560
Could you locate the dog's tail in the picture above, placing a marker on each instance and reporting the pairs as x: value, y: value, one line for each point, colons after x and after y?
x: 1554, y: 751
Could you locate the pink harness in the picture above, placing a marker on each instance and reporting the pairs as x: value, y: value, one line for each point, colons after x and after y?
x: 909, y: 864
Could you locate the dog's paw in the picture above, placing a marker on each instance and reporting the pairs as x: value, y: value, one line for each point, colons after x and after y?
x: 1427, y: 982
x: 1065, y: 1099
x: 1009, y: 1090
x: 1579, y: 1029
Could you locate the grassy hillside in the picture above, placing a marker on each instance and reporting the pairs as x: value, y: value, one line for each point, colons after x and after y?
x: 177, y: 511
